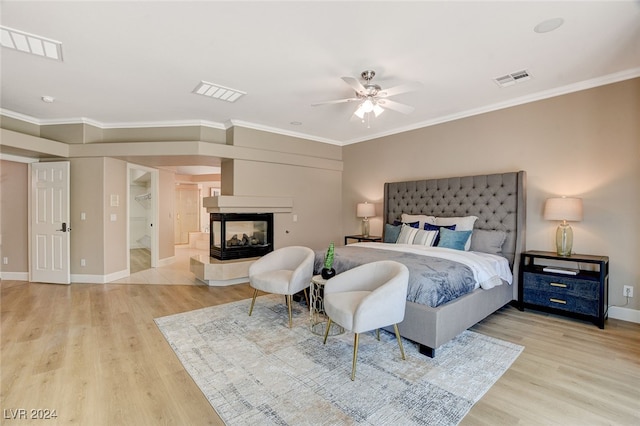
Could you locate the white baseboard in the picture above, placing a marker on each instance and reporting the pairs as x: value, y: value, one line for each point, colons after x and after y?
x: 624, y: 314
x: 117, y: 275
x: 99, y: 279
x: 14, y: 276
x: 87, y: 279
x: 166, y: 261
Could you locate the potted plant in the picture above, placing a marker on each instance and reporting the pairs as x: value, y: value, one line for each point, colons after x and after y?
x: 328, y: 271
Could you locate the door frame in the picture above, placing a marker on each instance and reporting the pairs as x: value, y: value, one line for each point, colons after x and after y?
x: 154, y: 231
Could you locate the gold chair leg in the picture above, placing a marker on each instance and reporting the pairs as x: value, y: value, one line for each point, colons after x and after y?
x: 306, y: 298
x: 255, y: 293
x: 289, y: 305
x: 326, y: 332
x: 395, y: 327
x: 378, y: 334
x: 355, y: 356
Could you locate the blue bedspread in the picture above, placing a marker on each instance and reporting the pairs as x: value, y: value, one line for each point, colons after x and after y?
x: 432, y: 281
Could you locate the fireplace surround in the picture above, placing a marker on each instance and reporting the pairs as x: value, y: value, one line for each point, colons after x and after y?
x: 240, y: 235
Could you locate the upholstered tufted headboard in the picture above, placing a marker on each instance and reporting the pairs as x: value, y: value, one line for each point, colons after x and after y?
x: 497, y: 199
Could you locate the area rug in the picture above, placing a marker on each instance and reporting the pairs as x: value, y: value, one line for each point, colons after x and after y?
x: 254, y: 370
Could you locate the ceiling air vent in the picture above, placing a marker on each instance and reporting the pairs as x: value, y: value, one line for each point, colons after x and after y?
x: 217, y: 91
x: 513, y: 78
x: 30, y: 43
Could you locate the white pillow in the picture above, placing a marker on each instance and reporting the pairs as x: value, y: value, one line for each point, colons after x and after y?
x: 464, y: 223
x: 410, y: 235
x: 421, y: 218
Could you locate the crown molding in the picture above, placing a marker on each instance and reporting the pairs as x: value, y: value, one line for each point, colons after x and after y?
x: 546, y: 94
x: 100, y: 125
x: 17, y: 116
x: 248, y: 125
x: 176, y: 123
x: 18, y: 158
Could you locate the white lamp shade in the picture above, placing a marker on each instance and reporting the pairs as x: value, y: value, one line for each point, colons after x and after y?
x: 564, y: 208
x: 365, y: 210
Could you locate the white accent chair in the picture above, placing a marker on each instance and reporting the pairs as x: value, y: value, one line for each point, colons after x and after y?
x: 366, y: 298
x: 286, y: 270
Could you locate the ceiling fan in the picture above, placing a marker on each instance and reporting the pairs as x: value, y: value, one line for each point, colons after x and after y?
x: 372, y: 98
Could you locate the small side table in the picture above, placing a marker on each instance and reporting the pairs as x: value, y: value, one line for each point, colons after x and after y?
x: 319, y: 318
x: 361, y: 238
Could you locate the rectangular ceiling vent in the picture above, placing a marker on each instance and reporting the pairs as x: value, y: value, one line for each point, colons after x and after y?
x: 217, y: 91
x: 30, y: 43
x: 513, y: 78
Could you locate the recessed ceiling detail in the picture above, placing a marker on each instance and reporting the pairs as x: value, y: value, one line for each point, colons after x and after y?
x: 30, y: 43
x: 217, y: 91
x: 513, y: 78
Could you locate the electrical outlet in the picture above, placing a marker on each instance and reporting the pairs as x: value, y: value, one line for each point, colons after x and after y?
x: 627, y: 291
x: 83, y: 262
x: 5, y: 260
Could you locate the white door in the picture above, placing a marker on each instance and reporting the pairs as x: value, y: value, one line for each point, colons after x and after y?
x: 50, y: 223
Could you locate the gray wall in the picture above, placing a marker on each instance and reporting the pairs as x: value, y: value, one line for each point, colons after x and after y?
x: 315, y: 185
x: 14, y: 214
x: 87, y: 195
x: 317, y: 201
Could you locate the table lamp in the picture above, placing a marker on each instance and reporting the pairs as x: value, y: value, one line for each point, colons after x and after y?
x: 564, y: 209
x: 365, y: 211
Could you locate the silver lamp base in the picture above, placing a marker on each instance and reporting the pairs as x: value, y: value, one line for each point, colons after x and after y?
x: 365, y: 227
x: 564, y: 239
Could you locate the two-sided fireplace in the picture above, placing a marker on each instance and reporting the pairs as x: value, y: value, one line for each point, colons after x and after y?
x: 240, y: 235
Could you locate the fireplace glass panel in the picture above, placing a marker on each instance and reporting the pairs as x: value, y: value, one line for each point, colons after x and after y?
x: 241, y: 235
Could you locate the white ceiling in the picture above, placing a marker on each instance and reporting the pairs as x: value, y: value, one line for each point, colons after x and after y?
x: 136, y: 63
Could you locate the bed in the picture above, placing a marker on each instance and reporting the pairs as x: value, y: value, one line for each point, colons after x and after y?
x: 498, y: 202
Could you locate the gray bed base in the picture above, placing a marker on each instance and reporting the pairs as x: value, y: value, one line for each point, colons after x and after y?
x: 499, y: 202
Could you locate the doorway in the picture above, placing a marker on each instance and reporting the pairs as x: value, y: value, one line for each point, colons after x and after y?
x: 142, y: 213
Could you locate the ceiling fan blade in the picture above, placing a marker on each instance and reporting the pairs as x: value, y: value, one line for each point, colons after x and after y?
x: 337, y: 101
x: 403, y: 88
x: 355, y: 84
x: 396, y: 106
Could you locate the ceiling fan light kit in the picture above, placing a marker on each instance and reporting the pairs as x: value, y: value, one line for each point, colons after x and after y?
x: 372, y: 99
x: 368, y: 106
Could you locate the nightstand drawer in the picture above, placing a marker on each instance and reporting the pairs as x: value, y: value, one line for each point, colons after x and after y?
x: 563, y: 287
x: 559, y: 301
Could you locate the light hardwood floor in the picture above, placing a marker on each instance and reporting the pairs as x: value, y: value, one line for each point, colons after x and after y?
x: 140, y: 260
x: 93, y: 353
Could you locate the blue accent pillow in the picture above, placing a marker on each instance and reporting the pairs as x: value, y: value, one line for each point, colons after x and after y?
x: 411, y: 224
x: 391, y: 233
x: 453, y: 239
x: 430, y: 227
